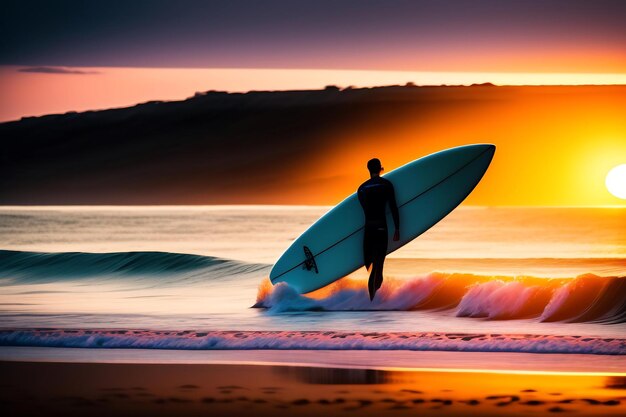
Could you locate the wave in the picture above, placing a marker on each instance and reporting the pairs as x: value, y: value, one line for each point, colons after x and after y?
x: 38, y: 267
x: 311, y: 340
x: 583, y: 299
x: 586, y: 298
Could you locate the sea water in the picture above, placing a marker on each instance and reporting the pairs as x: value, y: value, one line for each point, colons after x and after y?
x: 186, y: 277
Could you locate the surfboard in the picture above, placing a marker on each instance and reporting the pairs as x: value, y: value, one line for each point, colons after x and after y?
x: 427, y: 189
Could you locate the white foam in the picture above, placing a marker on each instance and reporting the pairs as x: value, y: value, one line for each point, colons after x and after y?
x: 310, y: 340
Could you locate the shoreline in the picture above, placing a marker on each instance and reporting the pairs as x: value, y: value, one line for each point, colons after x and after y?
x: 418, y: 361
x: 312, y: 340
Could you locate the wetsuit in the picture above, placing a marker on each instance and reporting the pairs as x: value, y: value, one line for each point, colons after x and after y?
x: 374, y: 195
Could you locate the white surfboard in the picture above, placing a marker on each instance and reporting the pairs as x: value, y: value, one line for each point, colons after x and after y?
x: 427, y: 189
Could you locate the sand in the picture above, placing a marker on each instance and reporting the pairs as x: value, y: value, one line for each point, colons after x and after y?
x: 99, y: 389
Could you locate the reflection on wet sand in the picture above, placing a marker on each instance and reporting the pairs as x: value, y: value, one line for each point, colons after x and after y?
x: 261, y: 390
x: 616, y: 382
x: 336, y: 376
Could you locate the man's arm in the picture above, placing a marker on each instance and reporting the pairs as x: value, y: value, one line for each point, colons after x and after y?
x: 394, y: 211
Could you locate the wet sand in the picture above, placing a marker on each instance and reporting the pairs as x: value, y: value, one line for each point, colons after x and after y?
x: 505, y: 362
x: 99, y: 389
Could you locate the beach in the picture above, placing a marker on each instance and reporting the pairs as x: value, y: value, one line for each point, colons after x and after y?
x: 61, y: 388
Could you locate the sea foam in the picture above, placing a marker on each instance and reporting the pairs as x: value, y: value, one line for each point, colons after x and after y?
x: 310, y: 340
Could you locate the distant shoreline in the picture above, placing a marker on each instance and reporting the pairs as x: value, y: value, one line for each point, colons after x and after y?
x: 327, y: 88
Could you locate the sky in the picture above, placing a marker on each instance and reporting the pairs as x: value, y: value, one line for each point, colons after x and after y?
x: 84, y: 55
x: 435, y: 35
x: 554, y: 145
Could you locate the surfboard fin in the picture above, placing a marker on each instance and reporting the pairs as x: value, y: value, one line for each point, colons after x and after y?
x: 309, y: 262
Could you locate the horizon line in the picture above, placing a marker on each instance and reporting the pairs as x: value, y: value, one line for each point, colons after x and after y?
x: 284, y: 206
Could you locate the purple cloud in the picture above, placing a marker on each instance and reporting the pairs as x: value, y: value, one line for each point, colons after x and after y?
x: 55, y: 70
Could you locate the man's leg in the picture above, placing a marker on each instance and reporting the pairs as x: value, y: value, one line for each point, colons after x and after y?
x: 376, y: 276
x: 367, y: 247
x: 379, y: 273
x: 379, y: 253
x: 371, y: 283
x: 368, y: 258
x: 382, y: 252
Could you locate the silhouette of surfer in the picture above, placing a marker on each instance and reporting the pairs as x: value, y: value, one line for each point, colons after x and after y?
x: 374, y: 195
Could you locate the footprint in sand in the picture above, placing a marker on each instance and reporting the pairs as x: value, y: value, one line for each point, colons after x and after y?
x: 533, y: 402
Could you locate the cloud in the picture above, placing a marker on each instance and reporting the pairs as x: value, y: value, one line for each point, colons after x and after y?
x: 55, y: 70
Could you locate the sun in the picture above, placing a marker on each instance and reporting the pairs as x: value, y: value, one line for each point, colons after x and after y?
x: 616, y: 181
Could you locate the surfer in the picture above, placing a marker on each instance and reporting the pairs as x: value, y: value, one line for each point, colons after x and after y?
x: 374, y: 195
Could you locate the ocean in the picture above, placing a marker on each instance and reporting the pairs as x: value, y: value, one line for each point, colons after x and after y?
x: 484, y: 279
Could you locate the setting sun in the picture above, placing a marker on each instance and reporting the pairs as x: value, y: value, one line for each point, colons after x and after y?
x: 616, y: 181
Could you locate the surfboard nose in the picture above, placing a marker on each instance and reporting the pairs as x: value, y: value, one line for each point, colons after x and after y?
x: 484, y: 147
x: 487, y: 149
x: 472, y: 151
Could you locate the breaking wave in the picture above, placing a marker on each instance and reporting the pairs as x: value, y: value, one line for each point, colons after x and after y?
x: 586, y: 298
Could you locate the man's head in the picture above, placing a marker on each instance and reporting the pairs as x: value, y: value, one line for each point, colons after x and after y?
x: 374, y: 166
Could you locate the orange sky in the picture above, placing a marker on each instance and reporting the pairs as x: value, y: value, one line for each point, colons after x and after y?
x: 555, y: 145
